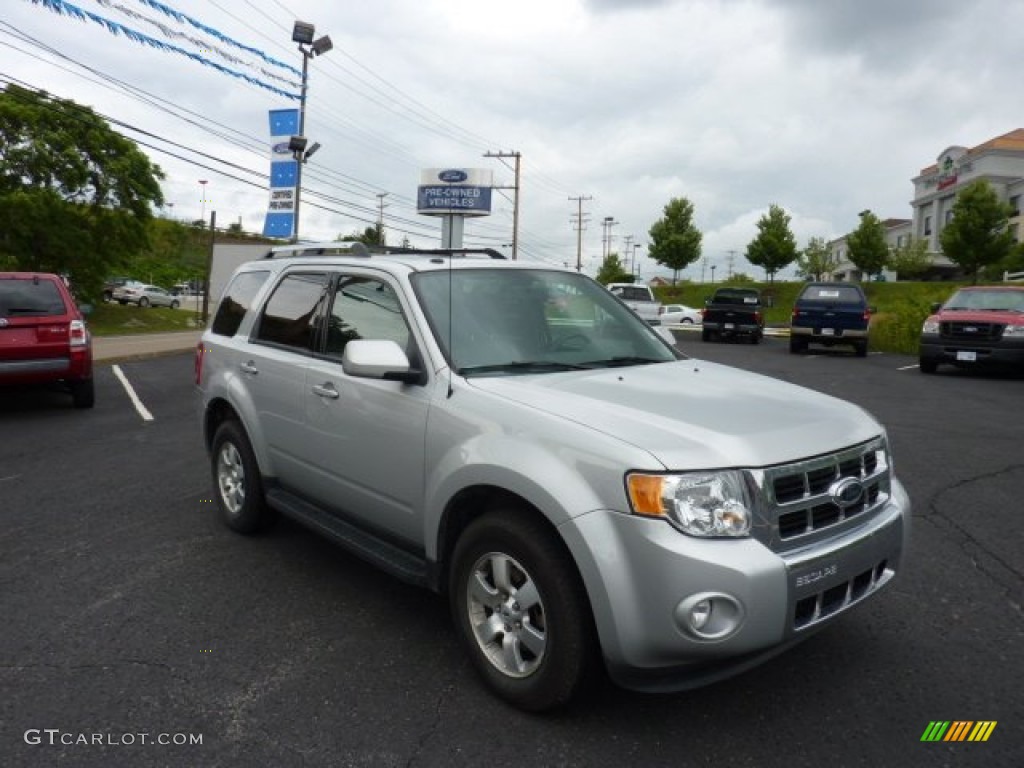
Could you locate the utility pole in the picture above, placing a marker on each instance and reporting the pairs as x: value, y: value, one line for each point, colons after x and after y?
x: 380, y: 217
x: 732, y: 255
x: 580, y: 224
x: 627, y: 253
x: 515, y: 202
x: 608, y: 222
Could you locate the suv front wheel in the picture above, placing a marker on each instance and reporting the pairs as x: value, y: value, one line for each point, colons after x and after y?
x: 236, y: 480
x: 521, y: 609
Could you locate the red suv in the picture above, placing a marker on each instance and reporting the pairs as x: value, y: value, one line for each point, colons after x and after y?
x: 43, y: 337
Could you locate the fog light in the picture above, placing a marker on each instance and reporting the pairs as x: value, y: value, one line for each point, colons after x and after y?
x: 700, y: 613
x: 709, y: 616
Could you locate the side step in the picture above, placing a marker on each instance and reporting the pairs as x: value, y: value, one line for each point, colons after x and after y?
x: 383, y: 554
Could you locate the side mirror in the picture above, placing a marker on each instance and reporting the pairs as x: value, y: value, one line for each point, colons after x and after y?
x: 378, y: 359
x: 936, y: 306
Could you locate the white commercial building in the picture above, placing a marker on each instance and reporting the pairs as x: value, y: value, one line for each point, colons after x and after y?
x: 1000, y: 161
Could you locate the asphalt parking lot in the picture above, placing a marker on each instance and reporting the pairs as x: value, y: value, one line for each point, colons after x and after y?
x: 132, y: 615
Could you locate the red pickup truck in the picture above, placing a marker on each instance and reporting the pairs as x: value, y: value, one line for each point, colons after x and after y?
x: 978, y: 326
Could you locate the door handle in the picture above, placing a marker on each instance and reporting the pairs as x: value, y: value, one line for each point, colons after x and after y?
x: 249, y: 367
x: 326, y: 390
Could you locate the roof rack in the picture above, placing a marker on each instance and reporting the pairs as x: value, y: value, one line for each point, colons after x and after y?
x: 361, y: 250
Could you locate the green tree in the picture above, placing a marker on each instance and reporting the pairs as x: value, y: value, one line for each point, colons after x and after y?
x: 613, y: 271
x: 369, y: 236
x: 977, y: 235
x: 774, y: 247
x: 816, y: 260
x: 911, y: 259
x: 75, y: 195
x: 868, y: 250
x: 675, y: 240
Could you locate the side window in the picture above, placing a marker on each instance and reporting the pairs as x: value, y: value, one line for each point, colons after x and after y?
x: 237, y: 301
x: 364, y: 308
x: 291, y: 313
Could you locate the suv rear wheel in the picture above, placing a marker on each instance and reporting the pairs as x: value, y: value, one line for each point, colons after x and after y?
x: 83, y: 393
x: 521, y: 609
x: 236, y: 478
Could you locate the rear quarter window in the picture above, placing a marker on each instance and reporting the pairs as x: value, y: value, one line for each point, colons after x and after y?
x: 237, y: 301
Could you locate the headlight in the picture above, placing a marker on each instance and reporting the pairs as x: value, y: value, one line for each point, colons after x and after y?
x: 707, y: 504
x: 930, y: 326
x: 1013, y: 330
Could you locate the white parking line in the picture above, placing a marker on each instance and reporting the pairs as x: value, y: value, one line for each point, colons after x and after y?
x: 908, y: 367
x: 145, y: 414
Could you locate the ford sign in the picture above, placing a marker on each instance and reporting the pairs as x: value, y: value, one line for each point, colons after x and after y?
x: 281, y: 148
x: 453, y: 176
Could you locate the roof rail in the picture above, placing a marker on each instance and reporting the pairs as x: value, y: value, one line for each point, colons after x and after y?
x: 362, y: 250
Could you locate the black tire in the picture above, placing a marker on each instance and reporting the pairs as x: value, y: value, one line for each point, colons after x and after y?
x: 83, y: 393
x: 861, y: 348
x: 175, y: 304
x: 551, y: 642
x: 755, y: 338
x: 705, y: 335
x: 796, y: 345
x: 237, y: 484
x: 927, y: 365
x: 143, y: 302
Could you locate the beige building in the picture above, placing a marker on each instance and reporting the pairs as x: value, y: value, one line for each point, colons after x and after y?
x: 999, y: 161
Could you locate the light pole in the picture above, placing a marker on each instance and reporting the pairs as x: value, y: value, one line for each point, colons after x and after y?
x: 303, y: 34
x: 380, y: 217
x: 713, y: 268
x: 202, y: 210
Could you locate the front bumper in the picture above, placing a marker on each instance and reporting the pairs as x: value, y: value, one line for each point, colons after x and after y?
x: 643, y: 577
x: 1007, y: 352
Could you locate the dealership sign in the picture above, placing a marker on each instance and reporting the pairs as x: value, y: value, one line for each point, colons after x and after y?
x: 454, y: 192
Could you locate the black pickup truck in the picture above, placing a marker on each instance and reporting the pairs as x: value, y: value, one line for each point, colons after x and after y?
x: 733, y: 313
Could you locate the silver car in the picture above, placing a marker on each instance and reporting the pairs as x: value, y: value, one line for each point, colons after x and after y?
x: 145, y: 296
x: 514, y: 437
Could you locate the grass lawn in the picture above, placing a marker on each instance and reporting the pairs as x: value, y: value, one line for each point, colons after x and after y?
x: 116, y: 320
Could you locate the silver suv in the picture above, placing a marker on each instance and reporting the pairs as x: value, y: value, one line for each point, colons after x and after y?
x: 513, y: 436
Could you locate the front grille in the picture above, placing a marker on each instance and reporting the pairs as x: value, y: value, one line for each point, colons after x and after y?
x: 960, y: 331
x: 805, y: 498
x: 814, y: 608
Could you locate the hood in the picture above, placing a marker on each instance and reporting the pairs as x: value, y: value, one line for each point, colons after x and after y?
x: 1005, y: 316
x: 693, y: 414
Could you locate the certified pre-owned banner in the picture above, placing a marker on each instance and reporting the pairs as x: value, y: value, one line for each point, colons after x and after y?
x: 280, y: 221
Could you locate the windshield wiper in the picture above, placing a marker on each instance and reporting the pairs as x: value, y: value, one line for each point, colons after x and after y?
x: 618, y: 362
x: 527, y: 366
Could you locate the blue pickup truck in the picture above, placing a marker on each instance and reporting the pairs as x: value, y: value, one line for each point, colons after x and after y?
x: 830, y: 314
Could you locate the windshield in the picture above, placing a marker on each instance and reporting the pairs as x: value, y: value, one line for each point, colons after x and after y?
x: 982, y: 300
x: 502, y: 321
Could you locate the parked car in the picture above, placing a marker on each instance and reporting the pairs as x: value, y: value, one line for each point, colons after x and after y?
x: 680, y: 314
x: 113, y: 283
x: 146, y: 296
x: 977, y: 327
x: 830, y: 314
x: 43, y: 335
x: 513, y: 437
x: 733, y: 313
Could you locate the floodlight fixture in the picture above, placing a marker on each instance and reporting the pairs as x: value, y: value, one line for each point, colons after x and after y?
x: 302, y: 33
x: 309, y: 152
x: 297, y: 144
x: 322, y: 45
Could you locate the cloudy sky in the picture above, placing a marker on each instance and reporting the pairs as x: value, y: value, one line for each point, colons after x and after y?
x: 825, y: 107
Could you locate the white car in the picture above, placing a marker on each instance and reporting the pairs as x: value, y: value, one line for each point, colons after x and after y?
x: 679, y: 314
x: 145, y: 296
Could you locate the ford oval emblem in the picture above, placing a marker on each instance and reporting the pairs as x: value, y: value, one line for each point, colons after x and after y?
x: 452, y: 176
x: 3, y: 322
x: 281, y: 148
x: 847, y: 492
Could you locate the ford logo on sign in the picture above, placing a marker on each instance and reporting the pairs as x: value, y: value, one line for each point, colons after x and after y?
x: 453, y: 176
x: 281, y: 148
